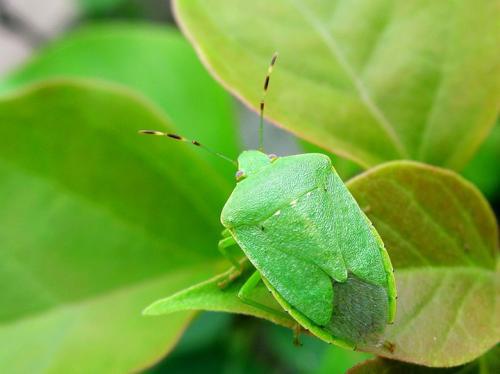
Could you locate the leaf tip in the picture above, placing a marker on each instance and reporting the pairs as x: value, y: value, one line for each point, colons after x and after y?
x: 150, y: 310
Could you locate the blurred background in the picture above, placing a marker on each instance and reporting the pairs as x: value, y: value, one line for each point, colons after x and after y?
x: 214, y: 342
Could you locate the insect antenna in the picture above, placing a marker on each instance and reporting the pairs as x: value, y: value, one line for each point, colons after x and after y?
x: 262, y: 101
x: 186, y: 140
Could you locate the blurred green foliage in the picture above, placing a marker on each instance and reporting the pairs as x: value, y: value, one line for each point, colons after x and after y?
x: 220, y: 343
x: 155, y: 62
x: 483, y: 168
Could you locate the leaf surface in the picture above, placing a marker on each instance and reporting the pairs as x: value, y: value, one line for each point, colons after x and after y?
x: 369, y: 80
x: 155, y: 61
x: 96, y: 223
x: 443, y: 241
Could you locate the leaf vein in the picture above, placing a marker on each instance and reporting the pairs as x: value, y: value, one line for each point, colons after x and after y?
x: 361, y: 88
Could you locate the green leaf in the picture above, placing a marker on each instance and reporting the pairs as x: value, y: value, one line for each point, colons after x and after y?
x: 97, y: 222
x: 442, y: 239
x: 209, y: 296
x: 369, y: 80
x: 488, y: 363
x: 153, y: 60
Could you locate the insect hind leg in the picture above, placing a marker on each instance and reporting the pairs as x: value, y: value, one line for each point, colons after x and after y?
x: 244, y: 295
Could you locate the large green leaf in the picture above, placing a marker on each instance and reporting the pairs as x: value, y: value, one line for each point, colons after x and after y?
x: 153, y: 60
x: 442, y: 239
x: 373, y: 80
x: 96, y: 223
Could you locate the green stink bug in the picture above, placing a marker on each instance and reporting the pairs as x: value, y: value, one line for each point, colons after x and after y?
x: 310, y: 243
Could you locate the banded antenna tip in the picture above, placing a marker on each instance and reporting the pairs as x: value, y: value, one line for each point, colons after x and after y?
x: 150, y: 132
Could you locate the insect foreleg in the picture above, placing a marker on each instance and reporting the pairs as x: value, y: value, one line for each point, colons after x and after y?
x: 225, y: 233
x: 223, y: 245
x: 244, y: 295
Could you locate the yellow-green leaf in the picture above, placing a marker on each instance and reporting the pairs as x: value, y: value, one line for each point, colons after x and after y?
x: 96, y: 223
x: 372, y: 80
x: 152, y: 60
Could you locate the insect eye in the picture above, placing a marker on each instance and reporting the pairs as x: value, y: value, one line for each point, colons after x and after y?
x: 240, y: 174
x: 272, y: 157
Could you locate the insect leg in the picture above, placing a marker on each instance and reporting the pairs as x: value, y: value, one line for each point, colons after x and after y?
x: 223, y: 245
x: 244, y: 295
x: 225, y: 233
x: 296, y: 335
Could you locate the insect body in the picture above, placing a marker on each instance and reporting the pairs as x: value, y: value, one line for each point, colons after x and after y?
x: 310, y: 243
x: 303, y: 231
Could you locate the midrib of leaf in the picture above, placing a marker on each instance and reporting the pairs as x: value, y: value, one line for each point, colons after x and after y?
x: 403, y: 325
x: 424, y: 138
x: 477, y: 277
x: 362, y: 90
x: 78, y: 195
x: 380, y: 222
x: 440, y: 181
x: 463, y: 214
x: 480, y: 274
x: 377, y: 43
x: 458, y: 313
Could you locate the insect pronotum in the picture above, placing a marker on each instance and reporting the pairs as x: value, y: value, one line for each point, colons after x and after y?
x: 309, y: 241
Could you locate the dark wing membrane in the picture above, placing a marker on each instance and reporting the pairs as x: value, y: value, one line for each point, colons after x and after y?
x: 304, y: 285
